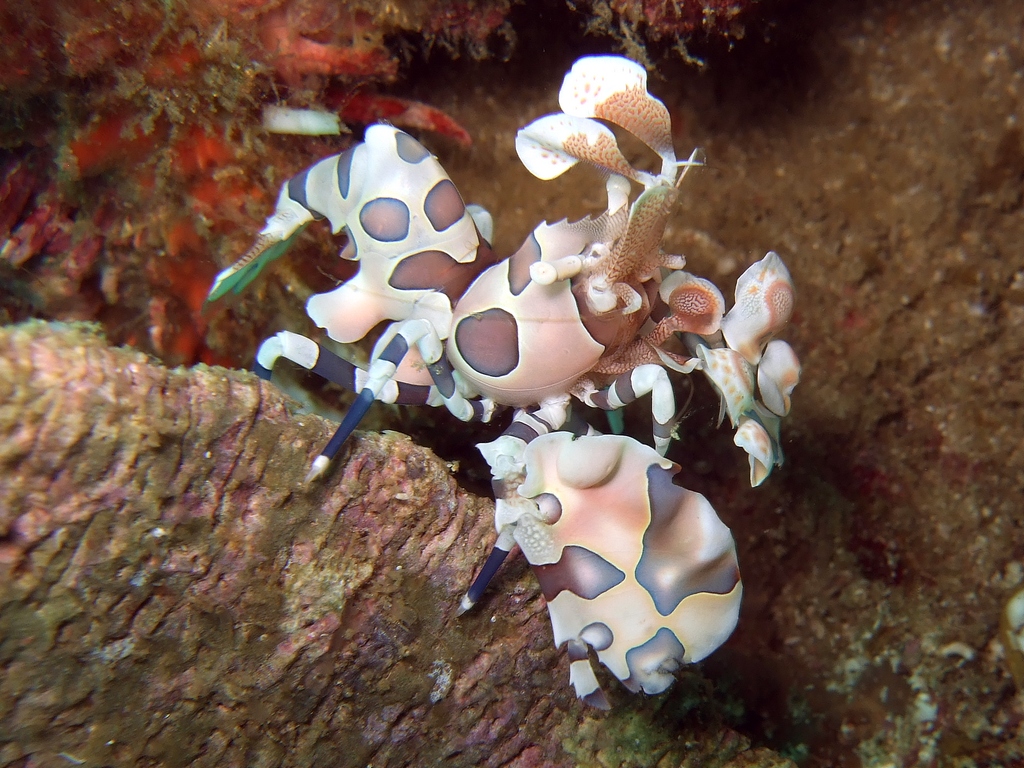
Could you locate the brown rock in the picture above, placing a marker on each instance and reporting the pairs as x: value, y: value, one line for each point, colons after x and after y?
x: 171, y: 594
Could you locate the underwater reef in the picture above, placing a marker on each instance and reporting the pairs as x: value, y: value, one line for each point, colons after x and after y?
x: 162, y: 606
x: 132, y: 143
x: 172, y: 594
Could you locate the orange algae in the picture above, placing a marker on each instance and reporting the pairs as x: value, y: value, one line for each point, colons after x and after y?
x: 199, y: 149
x: 109, y: 142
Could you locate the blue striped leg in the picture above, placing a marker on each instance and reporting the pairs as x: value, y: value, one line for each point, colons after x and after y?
x: 422, y: 334
x: 446, y: 386
x: 318, y: 359
x: 506, y: 459
x: 388, y: 354
x: 644, y: 379
x: 377, y: 383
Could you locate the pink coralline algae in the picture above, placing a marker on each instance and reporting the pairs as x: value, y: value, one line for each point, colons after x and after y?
x: 667, y: 18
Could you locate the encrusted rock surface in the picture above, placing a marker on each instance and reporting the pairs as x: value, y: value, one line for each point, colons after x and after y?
x: 171, y: 594
x: 878, y: 148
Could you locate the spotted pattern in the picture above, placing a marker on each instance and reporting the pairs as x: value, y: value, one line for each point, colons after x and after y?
x: 443, y: 205
x: 297, y: 192
x: 674, y: 543
x: 433, y: 271
x: 752, y: 437
x: 764, y: 303
x: 642, y: 115
x: 697, y: 307
x: 385, y: 219
x: 732, y: 376
x: 410, y: 150
x: 489, y: 342
x: 779, y: 299
x: 604, y: 152
x: 582, y: 572
x: 598, y: 635
x: 652, y: 664
x: 345, y: 171
x: 642, y: 241
x: 519, y: 264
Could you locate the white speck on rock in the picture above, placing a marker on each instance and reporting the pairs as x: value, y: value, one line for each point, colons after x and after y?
x: 441, y: 674
x: 925, y: 710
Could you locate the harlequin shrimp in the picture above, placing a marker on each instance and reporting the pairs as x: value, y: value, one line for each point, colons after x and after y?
x: 561, y: 317
x: 630, y: 564
x: 587, y: 310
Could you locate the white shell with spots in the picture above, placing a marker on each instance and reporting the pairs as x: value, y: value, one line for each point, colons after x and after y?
x: 732, y: 376
x: 656, y: 566
x: 764, y: 303
x: 378, y: 172
x: 615, y: 88
x: 638, y: 569
x: 547, y: 348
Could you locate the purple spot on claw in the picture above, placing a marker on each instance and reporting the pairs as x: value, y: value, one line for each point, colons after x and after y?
x: 678, y: 558
x: 433, y: 271
x: 582, y: 572
x: 489, y: 342
x: 385, y: 219
x: 409, y: 149
x: 345, y: 170
x: 519, y: 265
x: 443, y: 205
x: 652, y: 664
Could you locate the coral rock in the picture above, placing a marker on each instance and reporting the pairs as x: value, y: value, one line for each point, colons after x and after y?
x: 171, y: 594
